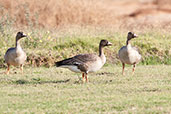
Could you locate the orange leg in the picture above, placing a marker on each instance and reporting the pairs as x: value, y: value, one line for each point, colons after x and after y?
x: 86, y: 77
x: 82, y: 76
x: 8, y: 69
x: 123, y: 66
x: 21, y: 68
x: 133, y: 70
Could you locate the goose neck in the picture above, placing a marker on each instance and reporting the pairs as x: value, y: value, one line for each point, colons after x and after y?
x: 101, y: 51
x: 128, y: 42
x: 17, y: 44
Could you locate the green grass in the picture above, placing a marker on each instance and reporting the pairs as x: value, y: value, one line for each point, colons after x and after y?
x: 155, y: 45
x: 57, y: 90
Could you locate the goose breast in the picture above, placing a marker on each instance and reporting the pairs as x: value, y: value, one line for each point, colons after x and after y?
x: 129, y: 55
x: 14, y: 58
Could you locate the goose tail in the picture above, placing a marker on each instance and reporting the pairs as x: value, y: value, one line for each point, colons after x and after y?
x: 58, y: 64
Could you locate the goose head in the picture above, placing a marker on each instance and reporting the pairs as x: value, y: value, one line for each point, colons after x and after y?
x: 20, y: 35
x: 131, y: 35
x: 104, y: 43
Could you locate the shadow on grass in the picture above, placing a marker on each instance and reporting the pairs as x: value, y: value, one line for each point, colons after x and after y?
x: 37, y: 81
x: 2, y: 73
x: 105, y: 73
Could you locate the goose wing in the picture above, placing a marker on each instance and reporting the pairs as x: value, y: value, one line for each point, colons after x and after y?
x: 10, y: 49
x: 10, y: 54
x: 77, y: 60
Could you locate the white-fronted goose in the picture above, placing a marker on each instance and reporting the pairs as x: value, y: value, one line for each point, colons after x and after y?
x: 86, y: 63
x: 128, y: 54
x: 15, y: 56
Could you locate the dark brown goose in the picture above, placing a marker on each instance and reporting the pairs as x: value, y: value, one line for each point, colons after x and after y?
x: 86, y: 63
x: 128, y: 54
x: 15, y: 56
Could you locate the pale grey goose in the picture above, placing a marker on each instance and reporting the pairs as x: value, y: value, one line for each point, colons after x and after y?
x: 86, y: 63
x: 128, y: 54
x: 15, y: 56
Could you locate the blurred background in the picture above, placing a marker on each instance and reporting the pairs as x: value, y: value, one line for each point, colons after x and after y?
x: 57, y: 13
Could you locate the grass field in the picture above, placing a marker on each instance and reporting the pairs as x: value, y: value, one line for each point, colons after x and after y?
x: 56, y: 90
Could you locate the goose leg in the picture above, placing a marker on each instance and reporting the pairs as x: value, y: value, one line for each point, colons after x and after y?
x: 86, y: 77
x: 21, y: 68
x: 133, y: 70
x: 82, y: 76
x: 123, y: 66
x: 8, y: 69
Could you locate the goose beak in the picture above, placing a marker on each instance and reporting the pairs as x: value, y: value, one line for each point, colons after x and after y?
x: 24, y: 35
x: 135, y: 35
x: 109, y: 44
